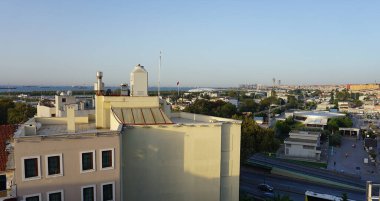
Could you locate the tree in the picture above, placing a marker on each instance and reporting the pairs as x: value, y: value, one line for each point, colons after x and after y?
x: 20, y: 113
x: 292, y: 102
x: 332, y: 99
x: 357, y: 103
x: 256, y: 139
x: 283, y: 128
x: 248, y: 105
x: 5, y: 105
x: 335, y: 123
x: 233, y: 94
x: 344, y: 197
x: 335, y: 139
x: 218, y: 108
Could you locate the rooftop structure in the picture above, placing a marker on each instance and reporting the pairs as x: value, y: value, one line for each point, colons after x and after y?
x: 315, y: 118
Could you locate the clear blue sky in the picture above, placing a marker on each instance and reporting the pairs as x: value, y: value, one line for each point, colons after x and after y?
x: 205, y: 43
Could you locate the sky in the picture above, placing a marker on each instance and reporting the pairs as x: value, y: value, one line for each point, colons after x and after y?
x: 208, y: 43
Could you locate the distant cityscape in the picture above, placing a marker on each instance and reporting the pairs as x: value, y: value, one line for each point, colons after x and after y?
x: 247, y: 100
x: 322, y: 140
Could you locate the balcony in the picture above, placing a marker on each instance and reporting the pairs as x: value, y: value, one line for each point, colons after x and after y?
x: 9, y: 195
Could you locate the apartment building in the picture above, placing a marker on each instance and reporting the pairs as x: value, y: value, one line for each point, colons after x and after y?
x: 131, y: 148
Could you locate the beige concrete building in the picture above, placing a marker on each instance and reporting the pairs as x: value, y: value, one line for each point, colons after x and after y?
x: 132, y: 148
x: 83, y: 105
x: 303, y: 144
x: 361, y: 87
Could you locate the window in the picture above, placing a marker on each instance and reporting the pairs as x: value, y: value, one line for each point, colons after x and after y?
x: 107, y: 159
x: 54, y: 165
x: 31, y: 168
x: 87, y: 161
x: 63, y: 100
x: 55, y: 195
x: 34, y: 197
x: 88, y: 193
x: 108, y: 191
x: 3, y: 182
x: 308, y: 147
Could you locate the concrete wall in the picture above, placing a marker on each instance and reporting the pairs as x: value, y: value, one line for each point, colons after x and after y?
x: 44, y: 111
x: 172, y: 163
x: 230, y: 168
x: 297, y: 150
x: 72, y: 179
x: 60, y: 106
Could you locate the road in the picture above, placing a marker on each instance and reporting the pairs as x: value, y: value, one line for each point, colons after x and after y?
x: 250, y: 178
x: 346, y: 179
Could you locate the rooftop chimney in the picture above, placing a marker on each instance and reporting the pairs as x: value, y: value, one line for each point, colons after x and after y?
x: 70, y: 109
x: 99, y: 85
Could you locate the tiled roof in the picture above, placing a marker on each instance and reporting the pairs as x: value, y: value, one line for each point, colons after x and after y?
x: 6, y: 131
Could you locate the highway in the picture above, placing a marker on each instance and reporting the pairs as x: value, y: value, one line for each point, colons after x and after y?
x: 250, y: 178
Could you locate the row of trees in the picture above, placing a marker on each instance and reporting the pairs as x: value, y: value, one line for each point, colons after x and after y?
x: 15, y: 113
x: 344, y: 95
x: 214, y: 108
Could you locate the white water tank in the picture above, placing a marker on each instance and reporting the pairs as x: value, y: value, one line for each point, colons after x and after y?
x: 139, y: 81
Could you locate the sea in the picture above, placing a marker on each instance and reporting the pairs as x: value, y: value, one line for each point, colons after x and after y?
x: 10, y: 88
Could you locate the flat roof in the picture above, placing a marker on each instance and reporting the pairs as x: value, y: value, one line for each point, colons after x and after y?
x: 54, y: 127
x: 300, y: 140
x: 318, y: 114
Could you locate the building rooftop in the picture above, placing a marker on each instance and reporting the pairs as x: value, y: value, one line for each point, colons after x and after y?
x: 55, y: 126
x: 305, y: 132
x: 318, y: 114
x: 301, y: 140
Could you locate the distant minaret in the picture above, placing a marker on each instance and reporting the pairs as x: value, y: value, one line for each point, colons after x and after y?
x: 139, y: 81
x: 274, y: 82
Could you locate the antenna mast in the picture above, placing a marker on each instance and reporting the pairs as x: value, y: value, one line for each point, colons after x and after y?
x: 159, y: 74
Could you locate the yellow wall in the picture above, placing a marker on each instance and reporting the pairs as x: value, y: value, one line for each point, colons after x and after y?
x: 181, y: 163
x: 171, y: 163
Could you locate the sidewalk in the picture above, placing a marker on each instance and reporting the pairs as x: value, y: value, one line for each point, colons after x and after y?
x: 353, y: 163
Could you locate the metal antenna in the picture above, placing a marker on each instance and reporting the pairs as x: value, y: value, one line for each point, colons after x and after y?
x: 159, y: 74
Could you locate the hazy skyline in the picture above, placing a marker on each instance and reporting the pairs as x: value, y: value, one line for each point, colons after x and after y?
x: 204, y: 43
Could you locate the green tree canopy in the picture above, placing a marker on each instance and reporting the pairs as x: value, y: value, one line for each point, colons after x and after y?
x: 5, y: 104
x: 256, y: 139
x: 248, y: 105
x: 20, y: 113
x: 218, y: 108
x: 335, y: 123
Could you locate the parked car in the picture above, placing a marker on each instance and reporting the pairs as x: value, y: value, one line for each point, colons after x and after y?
x: 265, y: 188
